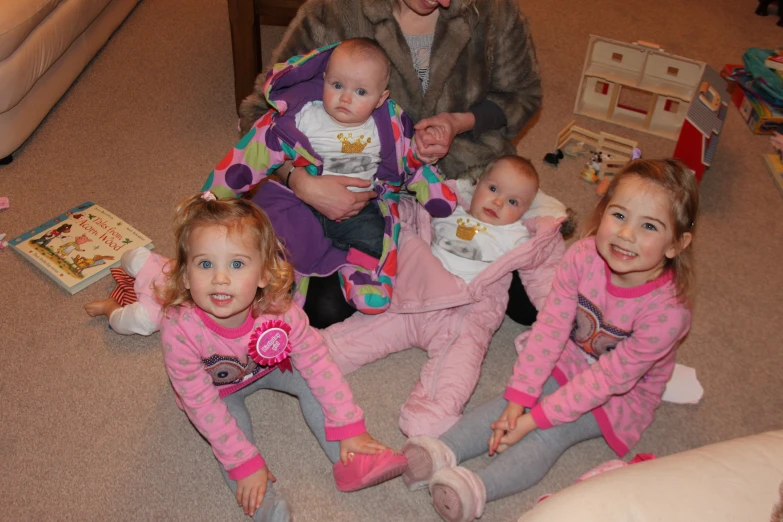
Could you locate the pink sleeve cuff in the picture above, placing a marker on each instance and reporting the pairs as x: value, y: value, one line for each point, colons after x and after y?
x: 523, y: 399
x: 345, y: 432
x: 246, y: 468
x: 541, y: 420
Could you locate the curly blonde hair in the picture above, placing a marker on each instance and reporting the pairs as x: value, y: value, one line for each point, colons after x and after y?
x: 239, y: 216
x: 680, y: 183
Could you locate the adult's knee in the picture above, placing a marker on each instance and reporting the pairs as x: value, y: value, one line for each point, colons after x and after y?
x: 520, y: 308
x: 325, y: 304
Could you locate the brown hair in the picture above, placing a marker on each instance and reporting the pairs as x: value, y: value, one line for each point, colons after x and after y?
x: 366, y: 48
x: 522, y: 165
x: 676, y: 179
x: 239, y: 216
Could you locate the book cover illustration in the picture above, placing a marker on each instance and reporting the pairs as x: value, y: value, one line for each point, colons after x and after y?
x: 78, y: 247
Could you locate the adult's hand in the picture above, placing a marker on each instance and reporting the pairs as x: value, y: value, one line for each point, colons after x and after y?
x: 329, y: 195
x: 435, y: 134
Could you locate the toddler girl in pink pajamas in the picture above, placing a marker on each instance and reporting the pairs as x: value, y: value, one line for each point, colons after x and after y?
x: 229, y: 329
x: 596, y: 361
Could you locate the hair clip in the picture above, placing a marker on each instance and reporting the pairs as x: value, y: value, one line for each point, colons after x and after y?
x: 208, y: 196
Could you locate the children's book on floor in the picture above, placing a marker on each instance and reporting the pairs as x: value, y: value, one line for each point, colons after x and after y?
x: 79, y: 247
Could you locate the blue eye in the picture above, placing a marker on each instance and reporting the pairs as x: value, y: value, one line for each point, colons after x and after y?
x: 237, y: 264
x: 618, y: 215
x: 650, y: 226
x: 493, y: 188
x: 205, y: 264
x: 337, y: 85
x: 513, y: 202
x: 361, y: 92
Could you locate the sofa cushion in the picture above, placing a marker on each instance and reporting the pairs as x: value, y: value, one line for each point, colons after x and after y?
x: 18, y: 19
x: 730, y: 481
x: 44, y: 42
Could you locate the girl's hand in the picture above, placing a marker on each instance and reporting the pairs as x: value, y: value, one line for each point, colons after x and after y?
x: 510, y: 428
x: 251, y: 490
x: 329, y: 195
x: 363, y: 443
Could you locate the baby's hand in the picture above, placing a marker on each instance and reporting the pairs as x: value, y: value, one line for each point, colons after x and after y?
x: 436, y: 132
x: 251, y: 490
x: 363, y: 443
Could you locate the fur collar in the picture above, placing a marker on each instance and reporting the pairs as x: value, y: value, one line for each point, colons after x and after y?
x: 452, y: 31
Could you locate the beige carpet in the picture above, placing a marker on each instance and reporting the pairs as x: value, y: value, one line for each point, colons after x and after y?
x: 89, y: 428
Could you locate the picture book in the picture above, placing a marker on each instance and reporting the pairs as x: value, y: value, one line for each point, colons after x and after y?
x: 79, y: 247
x: 775, y: 167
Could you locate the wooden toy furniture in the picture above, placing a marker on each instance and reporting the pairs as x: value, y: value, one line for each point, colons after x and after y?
x: 617, y: 151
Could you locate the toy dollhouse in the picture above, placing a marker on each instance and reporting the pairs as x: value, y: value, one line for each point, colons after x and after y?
x: 701, y: 129
x: 637, y: 86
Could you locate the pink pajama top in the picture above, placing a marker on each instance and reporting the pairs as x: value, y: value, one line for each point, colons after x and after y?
x: 206, y: 362
x: 611, y: 349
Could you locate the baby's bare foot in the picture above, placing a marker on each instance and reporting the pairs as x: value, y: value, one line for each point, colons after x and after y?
x: 97, y: 308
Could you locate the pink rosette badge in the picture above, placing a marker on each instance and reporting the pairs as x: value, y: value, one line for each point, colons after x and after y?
x: 269, y: 343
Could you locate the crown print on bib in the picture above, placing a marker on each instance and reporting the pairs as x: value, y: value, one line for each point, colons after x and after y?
x: 354, y: 147
x: 467, y: 230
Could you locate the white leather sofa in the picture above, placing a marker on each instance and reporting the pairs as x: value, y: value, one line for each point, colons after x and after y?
x: 733, y: 481
x: 44, y: 46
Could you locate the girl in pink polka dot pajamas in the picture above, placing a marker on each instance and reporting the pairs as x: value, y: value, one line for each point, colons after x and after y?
x: 596, y: 361
x: 230, y: 329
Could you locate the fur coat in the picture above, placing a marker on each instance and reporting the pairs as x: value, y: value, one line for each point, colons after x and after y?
x: 480, y: 53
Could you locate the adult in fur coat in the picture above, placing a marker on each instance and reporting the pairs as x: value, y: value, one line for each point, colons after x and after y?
x: 482, y: 85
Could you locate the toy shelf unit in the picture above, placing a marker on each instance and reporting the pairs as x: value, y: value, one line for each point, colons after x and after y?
x: 637, y: 85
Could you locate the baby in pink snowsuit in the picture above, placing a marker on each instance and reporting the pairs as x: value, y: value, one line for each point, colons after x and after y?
x: 452, y: 289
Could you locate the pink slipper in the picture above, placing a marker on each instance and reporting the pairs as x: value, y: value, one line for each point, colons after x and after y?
x: 363, y: 471
x: 458, y: 494
x: 425, y: 455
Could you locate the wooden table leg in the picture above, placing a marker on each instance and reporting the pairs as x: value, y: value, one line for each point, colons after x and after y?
x: 245, y: 45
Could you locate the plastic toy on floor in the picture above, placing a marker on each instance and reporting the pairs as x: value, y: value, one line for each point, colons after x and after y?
x: 592, y: 170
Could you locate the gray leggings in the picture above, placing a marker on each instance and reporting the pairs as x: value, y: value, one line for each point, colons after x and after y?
x: 292, y: 384
x: 525, y: 463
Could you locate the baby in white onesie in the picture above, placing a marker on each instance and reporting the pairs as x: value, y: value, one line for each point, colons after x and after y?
x: 469, y: 240
x: 342, y: 131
